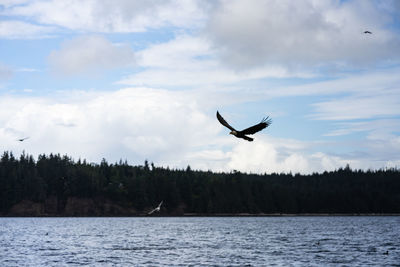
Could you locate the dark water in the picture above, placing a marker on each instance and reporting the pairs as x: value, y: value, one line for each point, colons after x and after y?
x: 227, y: 241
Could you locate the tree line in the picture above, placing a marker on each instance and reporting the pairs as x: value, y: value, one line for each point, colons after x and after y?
x: 200, y: 192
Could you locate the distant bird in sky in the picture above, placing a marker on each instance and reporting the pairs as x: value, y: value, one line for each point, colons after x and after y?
x: 251, y: 130
x: 22, y: 139
x: 156, y: 209
x: 368, y: 32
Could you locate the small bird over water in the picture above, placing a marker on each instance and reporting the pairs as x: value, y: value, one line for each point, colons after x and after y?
x: 251, y: 130
x: 156, y: 209
x: 22, y: 139
x: 368, y: 32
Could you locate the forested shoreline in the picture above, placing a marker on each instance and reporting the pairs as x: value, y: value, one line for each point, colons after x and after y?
x: 55, y: 185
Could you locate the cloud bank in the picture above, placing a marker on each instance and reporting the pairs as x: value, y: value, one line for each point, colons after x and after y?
x: 170, y: 128
x: 302, y: 33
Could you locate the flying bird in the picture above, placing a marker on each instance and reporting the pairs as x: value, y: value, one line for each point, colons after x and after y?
x: 243, y: 133
x: 368, y: 32
x: 156, y: 209
x: 22, y: 139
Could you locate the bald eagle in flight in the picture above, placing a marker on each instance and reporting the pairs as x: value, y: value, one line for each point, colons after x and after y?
x: 368, y: 32
x: 251, y: 130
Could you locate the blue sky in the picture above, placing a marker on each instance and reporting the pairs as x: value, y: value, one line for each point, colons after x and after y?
x: 140, y: 80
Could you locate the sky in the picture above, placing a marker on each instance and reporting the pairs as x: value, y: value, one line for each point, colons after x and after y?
x: 142, y: 80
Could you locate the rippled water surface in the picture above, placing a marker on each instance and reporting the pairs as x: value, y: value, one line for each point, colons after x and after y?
x: 216, y: 241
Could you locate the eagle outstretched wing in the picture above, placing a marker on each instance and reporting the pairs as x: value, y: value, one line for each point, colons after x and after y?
x: 223, y: 122
x: 258, y: 127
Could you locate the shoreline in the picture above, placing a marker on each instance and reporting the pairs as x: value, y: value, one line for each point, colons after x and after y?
x: 212, y: 215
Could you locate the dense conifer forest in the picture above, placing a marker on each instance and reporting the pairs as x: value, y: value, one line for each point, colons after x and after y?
x: 52, y: 181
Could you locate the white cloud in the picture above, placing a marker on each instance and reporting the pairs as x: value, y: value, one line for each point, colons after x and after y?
x: 27, y: 70
x: 136, y: 124
x: 379, y: 125
x: 181, y: 52
x: 190, y: 61
x: 112, y: 16
x: 13, y: 29
x: 370, y: 82
x: 195, y: 77
x: 302, y: 33
x: 371, y: 98
x: 269, y: 155
x: 90, y: 54
x: 384, y: 103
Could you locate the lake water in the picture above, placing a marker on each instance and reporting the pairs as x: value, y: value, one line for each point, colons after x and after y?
x: 201, y: 241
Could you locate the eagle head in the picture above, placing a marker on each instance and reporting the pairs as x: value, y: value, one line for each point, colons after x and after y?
x: 233, y: 133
